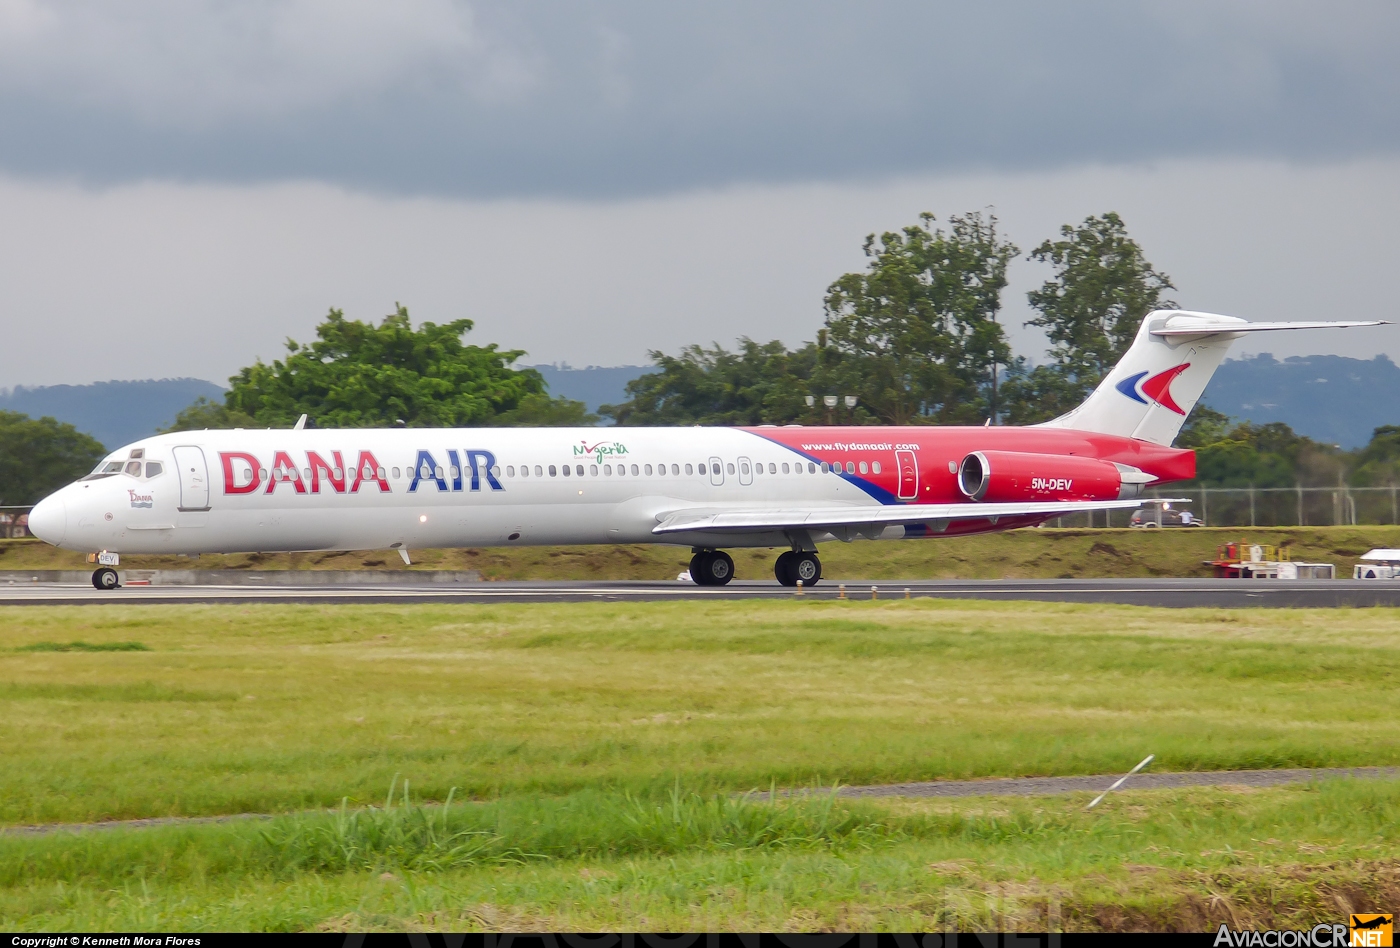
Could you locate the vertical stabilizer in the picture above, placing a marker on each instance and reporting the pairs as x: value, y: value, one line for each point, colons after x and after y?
x: 1160, y: 378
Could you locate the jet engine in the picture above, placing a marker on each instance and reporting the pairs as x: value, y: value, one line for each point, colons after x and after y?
x: 1010, y: 476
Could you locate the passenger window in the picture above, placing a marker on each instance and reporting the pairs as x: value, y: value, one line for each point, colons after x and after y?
x: 134, y: 468
x: 730, y: 465
x: 153, y: 469
x: 850, y: 467
x: 875, y: 466
x: 688, y: 469
x: 648, y: 470
x: 552, y: 471
x: 635, y: 472
x: 785, y: 467
x: 539, y: 471
x: 578, y: 469
x: 592, y: 470
x: 675, y: 470
x: 306, y: 473
x: 825, y: 467
x: 567, y: 472
x: 607, y: 470
x: 496, y: 471
x: 510, y: 470
x: 525, y: 470
x: 744, y: 468
x: 454, y: 472
x: 812, y: 467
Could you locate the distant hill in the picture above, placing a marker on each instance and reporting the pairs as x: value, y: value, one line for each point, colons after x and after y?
x: 1329, y: 398
x: 112, y: 412
x: 593, y: 385
x: 1333, y: 399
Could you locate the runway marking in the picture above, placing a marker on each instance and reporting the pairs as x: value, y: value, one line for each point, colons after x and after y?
x: 1213, y: 593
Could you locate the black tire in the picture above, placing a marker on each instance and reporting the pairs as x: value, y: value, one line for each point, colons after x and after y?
x: 711, y: 568
x: 105, y: 578
x: 782, y: 568
x: 699, y: 569
x: 806, y: 567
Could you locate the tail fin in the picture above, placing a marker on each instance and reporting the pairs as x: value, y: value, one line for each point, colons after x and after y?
x: 1160, y: 378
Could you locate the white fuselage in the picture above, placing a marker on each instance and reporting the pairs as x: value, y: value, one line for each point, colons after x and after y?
x: 359, y: 489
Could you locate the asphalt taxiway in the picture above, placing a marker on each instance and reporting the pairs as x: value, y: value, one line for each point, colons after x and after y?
x: 1217, y: 593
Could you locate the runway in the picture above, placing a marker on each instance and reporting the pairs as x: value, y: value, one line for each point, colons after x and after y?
x: 1180, y: 593
x: 986, y: 787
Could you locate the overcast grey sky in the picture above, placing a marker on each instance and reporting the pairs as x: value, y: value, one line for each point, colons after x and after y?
x: 183, y: 184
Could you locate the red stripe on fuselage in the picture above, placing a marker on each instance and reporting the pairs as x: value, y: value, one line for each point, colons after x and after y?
x: 937, y: 447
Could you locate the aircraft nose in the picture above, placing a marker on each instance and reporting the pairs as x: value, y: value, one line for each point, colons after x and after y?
x: 49, y: 520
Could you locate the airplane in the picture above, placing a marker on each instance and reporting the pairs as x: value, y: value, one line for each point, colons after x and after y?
x: 708, y: 488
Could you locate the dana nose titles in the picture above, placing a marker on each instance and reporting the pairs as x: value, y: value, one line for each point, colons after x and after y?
x: 49, y: 520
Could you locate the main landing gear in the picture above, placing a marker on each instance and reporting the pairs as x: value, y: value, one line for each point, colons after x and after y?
x: 711, y: 568
x: 716, y: 568
x: 105, y: 578
x: 794, y: 565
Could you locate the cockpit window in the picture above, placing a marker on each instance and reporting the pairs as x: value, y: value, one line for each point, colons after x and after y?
x: 153, y: 468
x: 105, y: 469
x: 134, y: 468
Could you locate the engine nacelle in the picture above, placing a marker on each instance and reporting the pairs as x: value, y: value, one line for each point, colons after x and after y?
x: 1011, y: 476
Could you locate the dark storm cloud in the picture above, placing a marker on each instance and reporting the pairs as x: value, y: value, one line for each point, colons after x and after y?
x: 618, y: 98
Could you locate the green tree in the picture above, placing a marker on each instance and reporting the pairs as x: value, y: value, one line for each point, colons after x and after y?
x: 357, y: 374
x: 1271, y: 455
x: 206, y: 413
x: 40, y: 455
x: 1103, y: 286
x: 1378, y: 464
x: 762, y: 383
x: 915, y: 335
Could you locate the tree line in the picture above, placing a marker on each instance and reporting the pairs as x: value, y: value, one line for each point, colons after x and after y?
x: 914, y: 337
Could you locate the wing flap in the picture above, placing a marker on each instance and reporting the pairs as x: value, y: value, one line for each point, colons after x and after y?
x: 760, y: 519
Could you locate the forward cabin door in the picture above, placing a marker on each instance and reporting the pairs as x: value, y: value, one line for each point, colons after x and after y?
x: 745, y: 472
x: 908, y: 475
x: 716, y: 473
x: 194, y: 478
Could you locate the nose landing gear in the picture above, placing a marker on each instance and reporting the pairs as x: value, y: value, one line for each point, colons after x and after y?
x: 711, y: 568
x: 794, y: 565
x: 105, y: 578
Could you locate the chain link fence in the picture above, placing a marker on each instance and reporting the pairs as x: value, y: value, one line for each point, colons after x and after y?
x: 1265, y: 507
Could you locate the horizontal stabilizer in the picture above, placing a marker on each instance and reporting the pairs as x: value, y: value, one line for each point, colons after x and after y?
x: 760, y: 520
x: 1207, y: 327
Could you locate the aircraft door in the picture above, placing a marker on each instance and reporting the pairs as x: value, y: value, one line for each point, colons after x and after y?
x: 745, y: 472
x: 194, y: 477
x: 908, y: 474
x: 716, y: 472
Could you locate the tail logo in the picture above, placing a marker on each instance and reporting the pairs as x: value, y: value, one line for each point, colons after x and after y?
x: 1158, y: 388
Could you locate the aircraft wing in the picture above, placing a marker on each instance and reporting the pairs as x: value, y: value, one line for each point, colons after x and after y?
x: 768, y: 519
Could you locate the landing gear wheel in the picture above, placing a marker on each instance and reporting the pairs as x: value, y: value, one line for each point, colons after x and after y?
x: 806, y: 567
x: 711, y: 568
x: 105, y: 578
x: 783, y: 568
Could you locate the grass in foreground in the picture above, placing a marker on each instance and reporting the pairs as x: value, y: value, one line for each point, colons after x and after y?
x: 1186, y: 860
x: 278, y: 708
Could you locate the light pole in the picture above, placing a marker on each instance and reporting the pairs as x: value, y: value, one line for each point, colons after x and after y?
x: 991, y: 354
x: 850, y: 409
x: 830, y: 402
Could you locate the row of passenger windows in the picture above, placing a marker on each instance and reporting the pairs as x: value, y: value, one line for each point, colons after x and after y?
x: 703, y: 469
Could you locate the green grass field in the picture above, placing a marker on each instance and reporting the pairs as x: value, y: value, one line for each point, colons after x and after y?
x: 595, y: 749
x: 1020, y: 554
